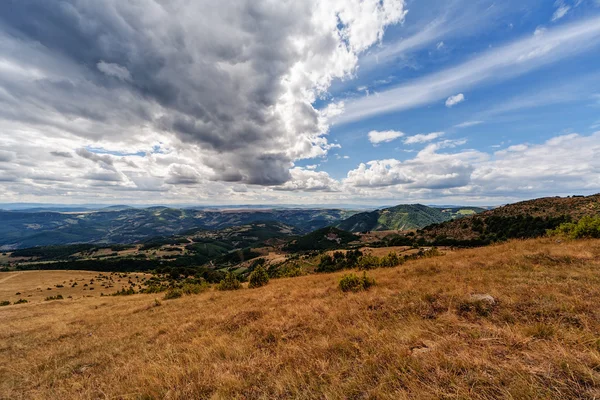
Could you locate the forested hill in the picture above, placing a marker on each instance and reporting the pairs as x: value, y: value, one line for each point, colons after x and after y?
x: 403, y: 217
x: 519, y: 220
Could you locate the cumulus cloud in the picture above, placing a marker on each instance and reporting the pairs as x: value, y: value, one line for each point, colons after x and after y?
x: 563, y: 164
x: 310, y: 180
x: 377, y: 137
x: 229, y: 83
x: 423, y: 138
x: 454, y: 100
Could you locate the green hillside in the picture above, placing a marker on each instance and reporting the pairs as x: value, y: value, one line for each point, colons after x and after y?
x: 403, y: 217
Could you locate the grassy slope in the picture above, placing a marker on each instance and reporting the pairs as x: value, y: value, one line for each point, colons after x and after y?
x: 303, y: 338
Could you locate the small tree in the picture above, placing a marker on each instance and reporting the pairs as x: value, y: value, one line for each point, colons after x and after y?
x: 229, y: 283
x: 259, y: 277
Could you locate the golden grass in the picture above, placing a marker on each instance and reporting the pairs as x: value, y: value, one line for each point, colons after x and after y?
x: 408, y: 337
x: 33, y: 285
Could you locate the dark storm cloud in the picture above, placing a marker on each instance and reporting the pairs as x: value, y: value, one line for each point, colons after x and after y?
x: 97, y: 158
x: 215, y: 70
x: 64, y: 154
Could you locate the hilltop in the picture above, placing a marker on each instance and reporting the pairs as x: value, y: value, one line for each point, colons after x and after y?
x: 519, y: 220
x: 403, y: 217
x: 418, y: 333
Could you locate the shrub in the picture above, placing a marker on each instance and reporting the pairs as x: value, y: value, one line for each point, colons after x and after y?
x: 194, y: 288
x: 4, y: 303
x: 258, y: 277
x: 391, y: 260
x: 21, y: 301
x: 173, y: 294
x: 353, y: 283
x: 229, y: 283
x: 124, y: 292
x: 57, y: 297
x: 586, y: 227
x: 368, y: 261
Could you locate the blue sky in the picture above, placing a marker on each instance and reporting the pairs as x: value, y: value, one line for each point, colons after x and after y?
x: 553, y: 99
x: 316, y: 102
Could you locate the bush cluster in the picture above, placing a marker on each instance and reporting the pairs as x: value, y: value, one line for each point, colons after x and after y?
x: 259, y: 277
x: 354, y: 283
x: 586, y: 227
x: 229, y: 283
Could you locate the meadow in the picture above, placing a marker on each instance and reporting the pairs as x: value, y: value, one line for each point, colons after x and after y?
x: 518, y: 320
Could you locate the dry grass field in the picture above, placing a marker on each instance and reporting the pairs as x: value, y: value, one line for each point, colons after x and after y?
x: 418, y: 334
x: 35, y: 286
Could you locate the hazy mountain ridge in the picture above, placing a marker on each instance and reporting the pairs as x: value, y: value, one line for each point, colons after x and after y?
x: 21, y: 229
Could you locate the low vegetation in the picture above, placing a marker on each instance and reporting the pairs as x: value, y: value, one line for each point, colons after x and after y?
x: 257, y: 278
x: 515, y: 320
x: 586, y: 227
x: 354, y: 283
x: 229, y: 283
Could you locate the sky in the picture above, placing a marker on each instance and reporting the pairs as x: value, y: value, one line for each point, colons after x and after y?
x: 372, y: 102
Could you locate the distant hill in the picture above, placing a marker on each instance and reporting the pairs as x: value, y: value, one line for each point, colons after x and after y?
x: 23, y: 229
x: 403, y: 217
x: 519, y: 220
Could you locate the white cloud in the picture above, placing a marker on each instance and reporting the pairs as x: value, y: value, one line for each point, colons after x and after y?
x: 423, y: 138
x: 468, y: 124
x: 454, y: 100
x: 566, y: 164
x: 377, y: 137
x: 310, y: 181
x: 497, y: 64
x: 560, y: 12
x: 440, y: 45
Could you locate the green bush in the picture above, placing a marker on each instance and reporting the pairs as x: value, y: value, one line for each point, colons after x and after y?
x: 21, y: 301
x: 173, y: 294
x: 353, y: 283
x: 368, y: 261
x: 4, y: 303
x: 229, y: 283
x: 586, y: 227
x: 259, y: 277
x: 57, y: 297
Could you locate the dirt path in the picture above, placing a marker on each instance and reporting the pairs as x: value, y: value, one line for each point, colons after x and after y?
x: 9, y: 277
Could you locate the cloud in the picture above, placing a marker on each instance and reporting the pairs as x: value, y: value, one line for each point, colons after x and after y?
x: 230, y: 84
x: 454, y: 100
x: 114, y: 70
x: 423, y: 138
x: 64, y: 154
x: 7, y: 156
x: 377, y: 137
x: 468, y: 124
x: 105, y: 159
x: 309, y: 181
x: 564, y: 164
x: 560, y: 12
x: 517, y: 58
